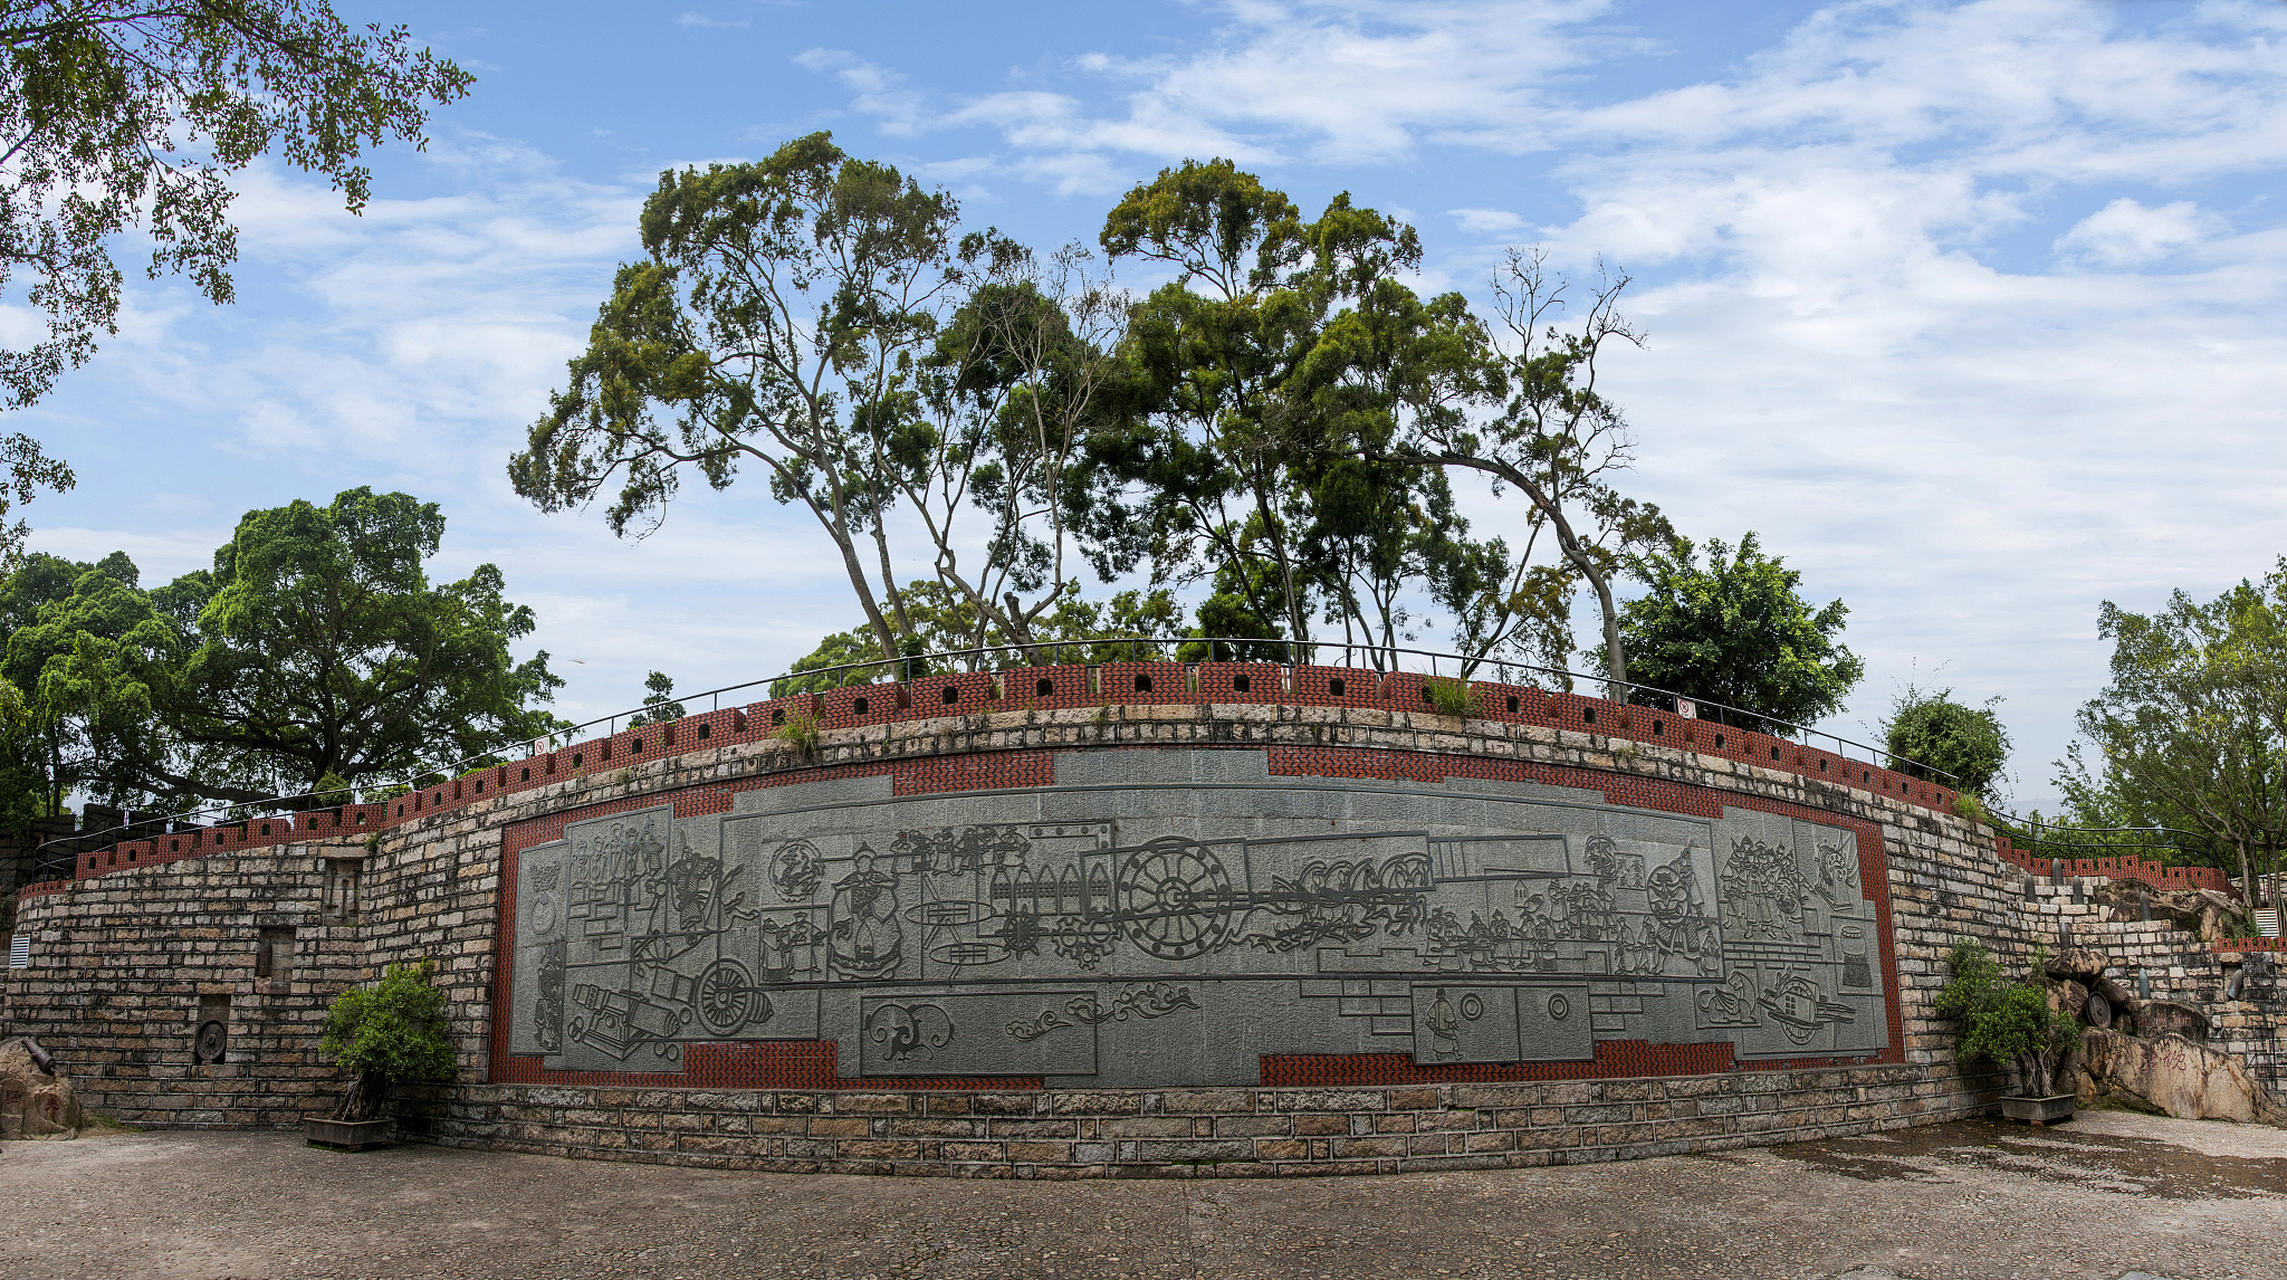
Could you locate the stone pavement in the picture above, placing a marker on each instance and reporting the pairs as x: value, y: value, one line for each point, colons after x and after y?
x: 2108, y: 1195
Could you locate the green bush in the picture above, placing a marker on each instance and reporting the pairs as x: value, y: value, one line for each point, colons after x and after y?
x: 1930, y: 728
x: 392, y: 1032
x: 2009, y: 1023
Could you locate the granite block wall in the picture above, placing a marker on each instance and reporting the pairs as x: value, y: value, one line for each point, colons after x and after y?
x: 165, y: 940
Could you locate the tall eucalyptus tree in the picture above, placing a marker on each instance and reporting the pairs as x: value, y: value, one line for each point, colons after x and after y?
x: 823, y: 318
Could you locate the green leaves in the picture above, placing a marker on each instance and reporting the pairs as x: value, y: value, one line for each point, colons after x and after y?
x: 396, y: 1029
x: 2193, y: 727
x: 1968, y: 744
x: 125, y: 115
x: 817, y: 316
x: 2010, y: 1024
x: 76, y: 633
x: 315, y: 654
x: 322, y: 648
x: 1735, y: 631
x: 1270, y: 381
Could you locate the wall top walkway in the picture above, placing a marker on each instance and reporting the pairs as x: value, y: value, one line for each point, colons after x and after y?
x: 1023, y: 690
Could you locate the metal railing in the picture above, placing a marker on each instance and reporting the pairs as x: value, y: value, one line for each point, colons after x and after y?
x: 56, y: 859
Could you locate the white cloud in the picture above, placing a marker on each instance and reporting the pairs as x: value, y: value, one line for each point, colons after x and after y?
x: 1969, y: 447
x: 707, y: 23
x: 2125, y: 233
x: 1487, y: 222
x: 1876, y: 335
x: 1330, y: 81
x: 900, y: 112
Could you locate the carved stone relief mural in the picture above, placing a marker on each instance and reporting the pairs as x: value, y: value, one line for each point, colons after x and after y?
x: 1173, y: 931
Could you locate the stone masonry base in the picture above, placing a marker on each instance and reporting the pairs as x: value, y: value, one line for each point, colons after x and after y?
x: 1186, y: 1133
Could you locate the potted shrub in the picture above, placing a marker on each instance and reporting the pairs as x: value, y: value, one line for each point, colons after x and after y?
x: 392, y: 1032
x: 2012, y: 1024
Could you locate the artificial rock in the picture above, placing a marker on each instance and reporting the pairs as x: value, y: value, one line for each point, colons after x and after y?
x: 35, y: 1102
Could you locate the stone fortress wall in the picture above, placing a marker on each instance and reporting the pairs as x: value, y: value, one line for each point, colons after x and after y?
x: 1069, y: 921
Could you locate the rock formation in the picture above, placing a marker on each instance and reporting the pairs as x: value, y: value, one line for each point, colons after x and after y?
x: 2175, y: 1075
x: 36, y: 1101
x: 2204, y: 912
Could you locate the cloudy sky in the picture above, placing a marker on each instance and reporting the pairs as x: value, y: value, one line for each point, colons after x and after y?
x: 1972, y: 310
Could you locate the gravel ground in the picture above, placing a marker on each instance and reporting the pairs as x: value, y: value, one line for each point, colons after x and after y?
x: 2108, y: 1195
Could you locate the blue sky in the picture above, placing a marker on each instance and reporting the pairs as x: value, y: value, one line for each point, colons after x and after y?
x: 1973, y: 310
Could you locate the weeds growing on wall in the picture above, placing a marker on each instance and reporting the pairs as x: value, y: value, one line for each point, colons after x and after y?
x: 802, y: 731
x: 1448, y: 696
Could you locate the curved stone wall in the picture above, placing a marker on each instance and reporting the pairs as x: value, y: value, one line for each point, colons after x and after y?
x: 1134, y: 917
x: 1186, y: 917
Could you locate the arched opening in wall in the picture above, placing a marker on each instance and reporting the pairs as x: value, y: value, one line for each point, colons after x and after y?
x: 210, y: 1031
x: 951, y: 695
x: 337, y: 902
x: 1045, y: 689
x: 1143, y: 684
x: 1334, y: 687
x: 859, y: 706
x: 1241, y: 684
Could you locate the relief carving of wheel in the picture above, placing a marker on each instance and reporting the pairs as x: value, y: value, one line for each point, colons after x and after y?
x: 2098, y: 1011
x: 725, y: 997
x: 1176, y: 899
x: 213, y: 1038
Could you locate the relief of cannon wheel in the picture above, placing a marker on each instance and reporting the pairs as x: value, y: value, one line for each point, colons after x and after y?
x: 726, y: 998
x: 1175, y: 899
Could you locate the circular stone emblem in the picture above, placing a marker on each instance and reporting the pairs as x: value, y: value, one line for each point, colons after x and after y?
x: 1472, y: 1007
x: 1559, y: 1008
x: 543, y: 913
x: 212, y: 1039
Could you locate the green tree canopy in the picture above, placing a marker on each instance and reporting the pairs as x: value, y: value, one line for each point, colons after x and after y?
x: 1968, y: 744
x: 823, y: 319
x: 2192, y: 731
x: 123, y: 115
x: 86, y: 720
x: 318, y: 646
x: 659, y: 705
x: 1076, y: 630
x: 1734, y: 630
x: 1266, y: 381
x: 2011, y: 1024
x: 394, y: 1031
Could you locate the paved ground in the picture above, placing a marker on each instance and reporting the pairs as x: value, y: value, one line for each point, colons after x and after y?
x: 2108, y: 1195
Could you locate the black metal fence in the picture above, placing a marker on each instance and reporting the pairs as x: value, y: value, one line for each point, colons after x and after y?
x: 56, y: 859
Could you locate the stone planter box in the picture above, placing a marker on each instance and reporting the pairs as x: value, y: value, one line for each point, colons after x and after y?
x: 2039, y: 1111
x: 345, y: 1135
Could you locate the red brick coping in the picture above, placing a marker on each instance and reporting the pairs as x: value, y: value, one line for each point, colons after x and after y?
x: 934, y: 697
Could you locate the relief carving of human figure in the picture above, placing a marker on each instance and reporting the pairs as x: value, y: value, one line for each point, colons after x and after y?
x: 867, y: 941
